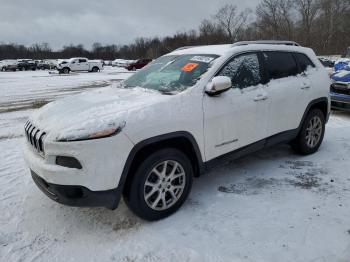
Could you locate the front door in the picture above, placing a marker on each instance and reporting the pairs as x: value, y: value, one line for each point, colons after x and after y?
x: 83, y: 65
x: 239, y: 116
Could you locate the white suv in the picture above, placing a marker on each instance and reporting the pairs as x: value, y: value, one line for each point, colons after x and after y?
x: 148, y: 137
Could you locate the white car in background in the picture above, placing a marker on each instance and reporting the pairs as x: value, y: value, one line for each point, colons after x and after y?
x: 122, y: 62
x: 78, y: 64
x: 184, y: 112
x: 8, y: 65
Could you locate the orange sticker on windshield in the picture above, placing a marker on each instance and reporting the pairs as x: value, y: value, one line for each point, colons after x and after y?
x: 189, y: 67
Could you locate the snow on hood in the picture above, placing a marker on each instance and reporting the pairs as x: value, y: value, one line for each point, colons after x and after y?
x: 341, y: 76
x: 92, y: 111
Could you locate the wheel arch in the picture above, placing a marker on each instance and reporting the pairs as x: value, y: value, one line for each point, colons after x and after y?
x: 181, y: 140
x: 319, y: 103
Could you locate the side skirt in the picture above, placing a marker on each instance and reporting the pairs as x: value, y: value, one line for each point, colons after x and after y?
x: 280, y: 138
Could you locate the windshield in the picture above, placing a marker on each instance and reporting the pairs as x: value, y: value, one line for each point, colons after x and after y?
x: 171, y: 73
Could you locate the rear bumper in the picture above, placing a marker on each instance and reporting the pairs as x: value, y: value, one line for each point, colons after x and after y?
x: 78, y: 196
x: 340, y: 101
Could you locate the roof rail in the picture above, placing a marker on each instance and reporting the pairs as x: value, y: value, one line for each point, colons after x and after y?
x: 186, y: 47
x: 266, y: 42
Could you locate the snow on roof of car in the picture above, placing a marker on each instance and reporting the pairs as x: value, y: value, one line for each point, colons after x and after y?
x: 231, y: 48
x: 209, y: 49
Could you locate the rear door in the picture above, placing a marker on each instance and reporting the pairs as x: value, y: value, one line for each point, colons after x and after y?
x: 287, y: 105
x: 237, y: 117
x: 307, y: 78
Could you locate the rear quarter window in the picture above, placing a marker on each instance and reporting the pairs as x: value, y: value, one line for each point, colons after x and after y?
x: 304, y: 62
x: 280, y: 64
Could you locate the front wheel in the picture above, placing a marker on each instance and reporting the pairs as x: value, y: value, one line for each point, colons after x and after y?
x: 311, y: 134
x: 160, y: 185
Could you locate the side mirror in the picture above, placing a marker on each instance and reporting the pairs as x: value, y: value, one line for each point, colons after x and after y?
x: 218, y: 85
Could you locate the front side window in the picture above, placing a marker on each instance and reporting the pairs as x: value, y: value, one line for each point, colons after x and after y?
x: 280, y: 64
x: 244, y: 71
x: 82, y: 60
x: 173, y: 73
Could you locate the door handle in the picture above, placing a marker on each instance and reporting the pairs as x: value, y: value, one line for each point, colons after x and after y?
x: 260, y: 98
x: 305, y: 86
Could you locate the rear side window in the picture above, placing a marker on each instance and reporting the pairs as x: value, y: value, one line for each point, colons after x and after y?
x: 244, y: 71
x: 280, y: 64
x: 82, y: 60
x: 304, y: 62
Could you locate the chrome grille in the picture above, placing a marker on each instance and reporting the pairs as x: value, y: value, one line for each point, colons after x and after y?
x: 340, y: 88
x: 35, y: 137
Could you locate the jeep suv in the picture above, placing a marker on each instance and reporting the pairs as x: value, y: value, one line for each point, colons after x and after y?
x: 146, y: 138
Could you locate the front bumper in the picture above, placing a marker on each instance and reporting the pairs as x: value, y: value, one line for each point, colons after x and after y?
x: 102, y: 162
x: 340, y: 101
x: 78, y: 196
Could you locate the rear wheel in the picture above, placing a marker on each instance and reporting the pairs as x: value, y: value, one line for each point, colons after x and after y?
x: 95, y: 69
x: 311, y: 134
x: 160, y: 185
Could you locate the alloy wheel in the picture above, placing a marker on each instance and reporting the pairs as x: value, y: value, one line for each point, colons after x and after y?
x: 164, y: 185
x: 314, y: 131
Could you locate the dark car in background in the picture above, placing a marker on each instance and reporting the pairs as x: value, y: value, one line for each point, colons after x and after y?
x: 26, y: 65
x: 326, y: 62
x: 46, y: 64
x: 138, y: 64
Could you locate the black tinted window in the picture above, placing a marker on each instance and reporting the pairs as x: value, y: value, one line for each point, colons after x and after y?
x: 304, y: 62
x: 280, y: 64
x: 243, y: 70
x: 82, y: 60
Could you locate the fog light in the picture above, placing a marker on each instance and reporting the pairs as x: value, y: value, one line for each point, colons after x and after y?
x: 69, y: 162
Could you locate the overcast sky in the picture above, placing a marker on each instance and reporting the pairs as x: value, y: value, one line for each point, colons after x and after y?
x: 60, y: 22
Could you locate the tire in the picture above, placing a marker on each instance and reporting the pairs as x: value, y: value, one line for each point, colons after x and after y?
x: 136, y: 196
x: 65, y: 70
x: 134, y: 68
x: 95, y: 69
x: 311, y: 134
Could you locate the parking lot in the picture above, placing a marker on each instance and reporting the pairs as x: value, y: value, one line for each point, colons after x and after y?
x: 270, y: 206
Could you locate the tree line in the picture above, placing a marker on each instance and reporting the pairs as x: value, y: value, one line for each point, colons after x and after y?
x: 323, y: 25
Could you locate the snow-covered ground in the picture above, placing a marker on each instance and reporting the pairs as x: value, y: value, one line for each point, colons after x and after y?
x: 270, y: 206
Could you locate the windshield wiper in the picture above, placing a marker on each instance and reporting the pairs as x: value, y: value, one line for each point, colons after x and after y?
x: 167, y: 92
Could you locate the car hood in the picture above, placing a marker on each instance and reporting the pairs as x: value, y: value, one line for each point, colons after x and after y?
x: 94, y: 111
x: 341, y: 76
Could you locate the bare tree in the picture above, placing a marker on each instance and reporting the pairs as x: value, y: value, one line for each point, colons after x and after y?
x: 275, y: 18
x: 308, y: 10
x: 231, y: 20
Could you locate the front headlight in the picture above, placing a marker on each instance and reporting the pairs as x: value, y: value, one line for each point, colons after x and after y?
x: 86, y: 133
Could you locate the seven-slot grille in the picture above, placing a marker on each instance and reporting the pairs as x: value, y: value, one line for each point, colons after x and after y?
x: 35, y: 137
